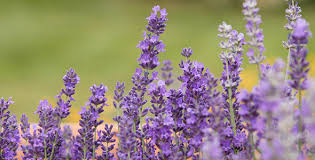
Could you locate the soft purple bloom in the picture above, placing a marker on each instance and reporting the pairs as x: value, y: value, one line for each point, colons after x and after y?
x: 299, y: 65
x: 70, y: 81
x: 156, y: 23
x: 9, y: 133
x: 167, y: 72
x: 106, y: 136
x: 187, y: 52
x: 151, y: 46
x: 256, y: 37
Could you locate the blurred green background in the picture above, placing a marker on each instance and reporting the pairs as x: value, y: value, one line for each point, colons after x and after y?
x: 40, y: 39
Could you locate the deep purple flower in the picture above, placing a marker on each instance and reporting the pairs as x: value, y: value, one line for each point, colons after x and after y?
x: 253, y: 31
x: 84, y: 142
x: 9, y: 133
x: 98, y: 95
x: 106, y: 136
x: 187, y: 52
x: 156, y: 22
x: 70, y: 81
x: 128, y: 139
x: 118, y: 99
x: 151, y: 46
x: 198, y: 87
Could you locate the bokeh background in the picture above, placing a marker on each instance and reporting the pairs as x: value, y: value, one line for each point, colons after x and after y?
x: 40, y: 39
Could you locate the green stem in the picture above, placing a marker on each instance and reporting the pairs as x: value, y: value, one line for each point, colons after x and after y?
x: 84, y: 148
x: 231, y: 109
x: 288, y: 67
x: 175, y: 134
x: 118, y: 114
x: 258, y: 70
x: 94, y: 139
x: 300, y: 121
x: 252, y: 145
x: 135, y: 131
x: 45, y: 146
x: 54, y: 144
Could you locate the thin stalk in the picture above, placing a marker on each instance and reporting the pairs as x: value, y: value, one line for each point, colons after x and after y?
x: 54, y: 144
x: 94, y: 139
x: 300, y: 121
x: 135, y: 131
x: 176, y: 139
x: 252, y: 145
x: 288, y: 67
x: 141, y: 129
x: 258, y: 70
x: 185, y: 152
x: 128, y: 155
x: 84, y: 147
x: 231, y: 109
x: 118, y: 114
x: 45, y: 146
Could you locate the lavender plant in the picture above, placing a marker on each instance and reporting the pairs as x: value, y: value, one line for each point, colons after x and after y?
x: 255, y: 34
x: 9, y: 132
x: 156, y: 121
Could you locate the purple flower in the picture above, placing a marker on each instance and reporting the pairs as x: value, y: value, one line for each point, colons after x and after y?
x: 298, y: 64
x: 231, y: 57
x: 151, y: 46
x: 156, y: 22
x: 106, y: 136
x: 167, y: 72
x: 84, y: 143
x: 9, y: 133
x: 253, y: 31
x: 187, y: 52
x: 128, y: 139
x: 70, y: 81
x: 292, y: 14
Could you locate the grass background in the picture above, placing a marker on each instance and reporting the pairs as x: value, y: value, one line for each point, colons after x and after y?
x: 39, y: 40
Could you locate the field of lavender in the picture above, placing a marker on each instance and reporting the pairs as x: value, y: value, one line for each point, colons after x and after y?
x: 194, y: 115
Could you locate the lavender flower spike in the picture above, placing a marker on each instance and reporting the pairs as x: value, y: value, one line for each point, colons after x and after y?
x: 167, y: 72
x: 231, y: 57
x: 299, y: 66
x: 151, y: 46
x: 292, y: 14
x: 255, y: 34
x: 187, y: 52
x: 9, y: 132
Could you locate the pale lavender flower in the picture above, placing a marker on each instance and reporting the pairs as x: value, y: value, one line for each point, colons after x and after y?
x: 255, y: 34
x: 167, y: 72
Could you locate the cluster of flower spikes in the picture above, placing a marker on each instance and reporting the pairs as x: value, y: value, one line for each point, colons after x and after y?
x: 86, y: 143
x: 47, y: 141
x: 9, y: 131
x: 255, y: 34
x: 199, y: 93
x: 151, y: 46
x: 293, y: 12
x: 134, y: 111
x: 192, y: 122
x: 231, y: 58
